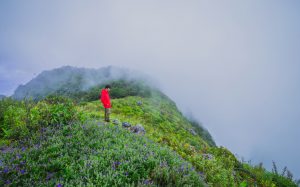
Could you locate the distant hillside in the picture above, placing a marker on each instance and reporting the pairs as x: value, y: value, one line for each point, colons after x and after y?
x: 71, y: 80
x: 2, y: 96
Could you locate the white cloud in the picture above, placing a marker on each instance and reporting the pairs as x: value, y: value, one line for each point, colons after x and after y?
x: 234, y: 64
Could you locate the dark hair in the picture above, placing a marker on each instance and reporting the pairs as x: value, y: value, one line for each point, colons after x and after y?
x: 107, y: 86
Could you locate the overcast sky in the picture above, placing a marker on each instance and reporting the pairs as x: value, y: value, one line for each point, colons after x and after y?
x: 234, y: 64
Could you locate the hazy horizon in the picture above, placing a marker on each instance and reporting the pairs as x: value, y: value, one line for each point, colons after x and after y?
x: 234, y: 65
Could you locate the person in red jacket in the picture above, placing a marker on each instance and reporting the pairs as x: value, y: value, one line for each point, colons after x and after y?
x: 105, y: 99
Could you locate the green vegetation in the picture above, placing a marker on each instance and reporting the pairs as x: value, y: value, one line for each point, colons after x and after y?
x: 94, y: 155
x: 82, y: 83
x: 120, y: 89
x: 59, y: 141
x: 18, y: 119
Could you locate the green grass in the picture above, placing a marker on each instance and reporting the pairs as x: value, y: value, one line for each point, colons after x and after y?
x: 56, y: 141
x: 94, y: 155
x: 165, y: 125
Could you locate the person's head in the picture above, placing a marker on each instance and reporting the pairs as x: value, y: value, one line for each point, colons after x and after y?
x: 107, y: 87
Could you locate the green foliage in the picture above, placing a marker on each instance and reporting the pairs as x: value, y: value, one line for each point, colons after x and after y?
x: 14, y: 124
x: 203, y: 133
x: 120, y: 89
x: 282, y: 181
x: 164, y: 124
x: 20, y: 118
x: 61, y: 150
x: 4, y: 104
x: 15, y: 118
x: 258, y: 175
x: 55, y: 110
x: 92, y: 155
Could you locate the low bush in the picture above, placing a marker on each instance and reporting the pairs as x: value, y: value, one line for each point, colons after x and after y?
x: 55, y: 110
x: 20, y: 118
x: 15, y: 118
x: 92, y: 155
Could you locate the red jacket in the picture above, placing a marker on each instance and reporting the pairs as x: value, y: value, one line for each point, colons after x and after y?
x: 105, y: 99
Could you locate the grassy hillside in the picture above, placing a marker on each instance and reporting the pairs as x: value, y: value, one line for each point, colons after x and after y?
x: 94, y: 155
x: 55, y: 142
x: 57, y: 149
x: 62, y: 142
x: 165, y: 125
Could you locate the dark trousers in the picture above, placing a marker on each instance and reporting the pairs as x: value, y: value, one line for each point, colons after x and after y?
x: 106, y: 114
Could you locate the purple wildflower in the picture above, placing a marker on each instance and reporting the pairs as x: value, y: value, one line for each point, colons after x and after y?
x: 18, y: 168
x: 201, y: 174
x: 147, y: 182
x: 23, y: 149
x: 59, y: 185
x: 116, y: 164
x: 23, y: 171
x: 37, y: 146
x: 6, y: 170
x: 186, y: 174
x: 163, y: 164
x: 182, y: 166
x: 49, y: 175
x: 8, y: 182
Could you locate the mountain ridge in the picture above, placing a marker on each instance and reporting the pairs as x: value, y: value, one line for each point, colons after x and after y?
x: 66, y: 110
x: 50, y: 81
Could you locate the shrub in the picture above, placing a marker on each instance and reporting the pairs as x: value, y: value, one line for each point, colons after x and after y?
x: 15, y: 118
x: 201, y: 131
x: 120, y: 89
x: 54, y: 110
x: 14, y: 124
x: 4, y: 105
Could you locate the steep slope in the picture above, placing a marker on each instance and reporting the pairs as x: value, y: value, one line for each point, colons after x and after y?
x: 54, y: 142
x: 59, y: 141
x: 165, y: 125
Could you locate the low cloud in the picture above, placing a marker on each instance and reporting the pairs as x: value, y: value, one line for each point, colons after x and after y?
x: 233, y: 64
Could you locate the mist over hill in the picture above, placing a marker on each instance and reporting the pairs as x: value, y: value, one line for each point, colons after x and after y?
x: 73, y: 80
x: 65, y: 101
x: 84, y: 84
